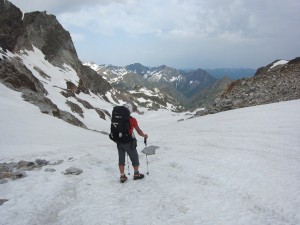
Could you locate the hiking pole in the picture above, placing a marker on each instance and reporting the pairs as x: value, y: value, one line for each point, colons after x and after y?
x: 128, y: 165
x: 145, y: 142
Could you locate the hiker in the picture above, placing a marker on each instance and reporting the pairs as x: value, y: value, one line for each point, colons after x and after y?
x: 129, y: 146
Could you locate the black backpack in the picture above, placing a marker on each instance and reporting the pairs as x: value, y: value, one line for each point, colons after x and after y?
x: 119, y: 128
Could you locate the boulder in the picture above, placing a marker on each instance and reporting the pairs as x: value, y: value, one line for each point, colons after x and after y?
x: 73, y: 171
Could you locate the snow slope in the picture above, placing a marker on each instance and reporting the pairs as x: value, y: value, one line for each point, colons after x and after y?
x: 55, y: 82
x: 238, y: 167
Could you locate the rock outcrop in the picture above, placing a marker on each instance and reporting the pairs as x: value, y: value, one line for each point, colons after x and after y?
x: 270, y: 84
x: 44, y: 32
x: 47, y: 34
x: 11, y: 25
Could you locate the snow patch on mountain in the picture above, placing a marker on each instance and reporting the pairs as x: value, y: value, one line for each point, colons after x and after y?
x: 280, y: 62
x: 277, y: 63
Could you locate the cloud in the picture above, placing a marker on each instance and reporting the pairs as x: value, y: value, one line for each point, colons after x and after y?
x: 248, y: 19
x: 214, y: 17
x: 179, y: 32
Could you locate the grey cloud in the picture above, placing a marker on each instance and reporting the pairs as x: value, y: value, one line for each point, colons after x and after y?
x: 58, y: 6
x: 249, y: 19
x: 195, y: 31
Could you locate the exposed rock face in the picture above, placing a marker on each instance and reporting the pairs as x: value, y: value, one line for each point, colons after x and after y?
x: 11, y: 25
x: 91, y: 80
x: 18, y: 77
x: 13, y: 36
x: 47, y: 34
x: 269, y: 85
x: 44, y: 32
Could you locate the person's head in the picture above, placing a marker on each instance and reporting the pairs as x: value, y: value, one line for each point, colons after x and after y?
x: 129, y: 107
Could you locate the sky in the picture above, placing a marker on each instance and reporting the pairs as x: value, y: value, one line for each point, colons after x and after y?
x: 178, y: 33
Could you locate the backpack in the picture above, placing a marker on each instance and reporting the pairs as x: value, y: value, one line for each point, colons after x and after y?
x: 119, y: 128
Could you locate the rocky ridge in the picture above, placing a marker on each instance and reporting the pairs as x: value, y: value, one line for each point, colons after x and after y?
x: 278, y: 81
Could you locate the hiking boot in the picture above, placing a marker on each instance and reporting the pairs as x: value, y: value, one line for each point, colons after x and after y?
x: 138, y: 176
x: 123, y: 178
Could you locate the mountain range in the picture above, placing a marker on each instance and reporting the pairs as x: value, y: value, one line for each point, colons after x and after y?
x: 184, y: 86
x: 39, y: 60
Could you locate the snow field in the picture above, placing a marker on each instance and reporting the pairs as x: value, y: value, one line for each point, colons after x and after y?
x: 236, y: 167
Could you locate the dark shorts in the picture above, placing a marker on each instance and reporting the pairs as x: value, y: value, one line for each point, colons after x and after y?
x: 130, y: 149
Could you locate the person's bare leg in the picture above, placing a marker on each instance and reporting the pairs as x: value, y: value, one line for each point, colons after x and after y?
x: 123, y: 177
x: 122, y: 169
